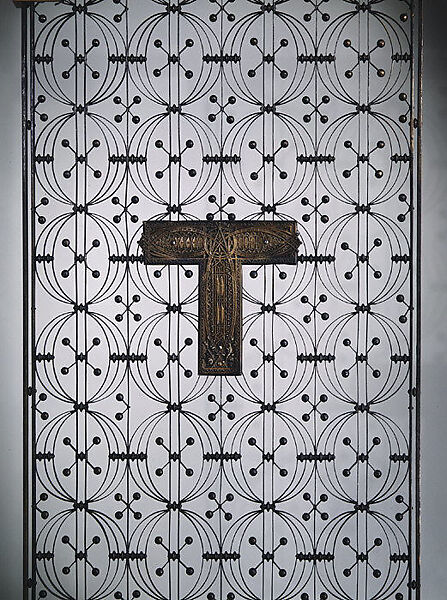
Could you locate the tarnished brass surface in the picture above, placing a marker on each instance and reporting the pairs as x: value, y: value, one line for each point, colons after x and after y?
x: 220, y: 248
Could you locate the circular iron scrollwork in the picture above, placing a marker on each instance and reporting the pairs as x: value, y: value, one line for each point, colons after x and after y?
x: 294, y: 480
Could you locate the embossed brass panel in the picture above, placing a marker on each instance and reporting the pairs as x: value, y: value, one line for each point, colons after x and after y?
x: 220, y: 249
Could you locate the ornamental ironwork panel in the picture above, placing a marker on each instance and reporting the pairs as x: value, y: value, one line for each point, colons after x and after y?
x: 223, y: 126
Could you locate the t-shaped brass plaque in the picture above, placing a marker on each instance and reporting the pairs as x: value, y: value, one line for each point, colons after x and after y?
x: 220, y: 248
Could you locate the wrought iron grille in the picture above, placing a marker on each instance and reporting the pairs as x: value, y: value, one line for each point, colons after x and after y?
x: 298, y: 478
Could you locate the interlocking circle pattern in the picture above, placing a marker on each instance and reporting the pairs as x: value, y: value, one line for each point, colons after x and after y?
x: 295, y: 480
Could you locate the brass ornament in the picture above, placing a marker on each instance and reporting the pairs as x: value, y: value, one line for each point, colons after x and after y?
x: 220, y: 248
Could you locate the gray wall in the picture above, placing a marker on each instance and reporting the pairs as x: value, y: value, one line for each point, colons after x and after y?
x: 434, y: 297
x: 10, y: 306
x: 434, y: 293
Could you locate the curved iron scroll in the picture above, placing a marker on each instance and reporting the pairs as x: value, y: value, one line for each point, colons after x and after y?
x: 298, y: 478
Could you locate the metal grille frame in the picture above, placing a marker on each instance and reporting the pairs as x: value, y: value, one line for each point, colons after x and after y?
x: 299, y: 479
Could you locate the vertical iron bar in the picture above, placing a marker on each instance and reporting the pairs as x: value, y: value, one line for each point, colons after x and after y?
x: 25, y: 316
x: 417, y: 550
